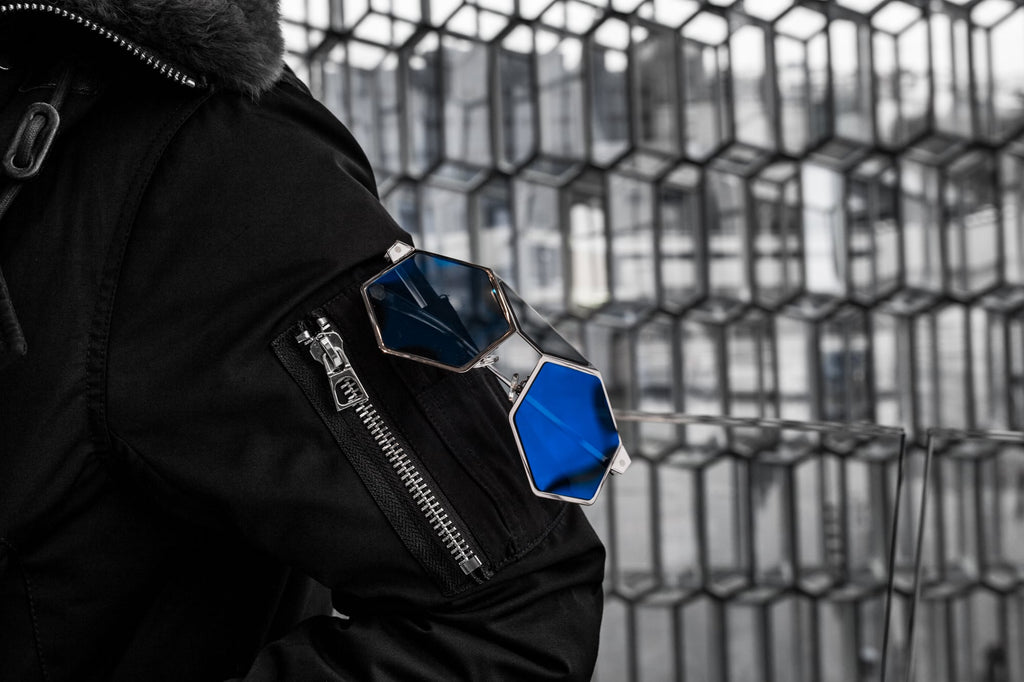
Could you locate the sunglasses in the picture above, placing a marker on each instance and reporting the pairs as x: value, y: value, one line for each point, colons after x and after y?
x: 454, y: 315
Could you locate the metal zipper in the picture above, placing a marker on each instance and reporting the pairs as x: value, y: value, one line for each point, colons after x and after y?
x: 327, y: 347
x: 142, y: 54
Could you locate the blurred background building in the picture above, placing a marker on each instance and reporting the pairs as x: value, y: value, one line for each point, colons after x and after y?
x: 766, y: 209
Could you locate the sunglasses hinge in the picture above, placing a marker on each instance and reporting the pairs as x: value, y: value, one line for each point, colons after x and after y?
x: 486, y: 361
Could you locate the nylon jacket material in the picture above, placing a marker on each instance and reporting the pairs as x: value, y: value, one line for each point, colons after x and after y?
x: 177, y: 492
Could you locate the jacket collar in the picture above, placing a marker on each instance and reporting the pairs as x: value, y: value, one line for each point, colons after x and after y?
x: 234, y: 44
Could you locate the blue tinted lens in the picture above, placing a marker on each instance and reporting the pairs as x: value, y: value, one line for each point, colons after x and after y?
x: 565, y: 427
x: 437, y: 309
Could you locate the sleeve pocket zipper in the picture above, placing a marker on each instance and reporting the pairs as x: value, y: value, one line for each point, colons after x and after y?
x: 350, y: 399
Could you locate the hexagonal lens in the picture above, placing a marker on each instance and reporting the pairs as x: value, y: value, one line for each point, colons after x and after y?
x: 437, y: 309
x: 566, y: 431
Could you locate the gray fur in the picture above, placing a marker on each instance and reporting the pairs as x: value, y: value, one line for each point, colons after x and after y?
x: 236, y: 44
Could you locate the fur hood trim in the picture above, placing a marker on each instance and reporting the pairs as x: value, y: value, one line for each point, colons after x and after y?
x: 235, y: 44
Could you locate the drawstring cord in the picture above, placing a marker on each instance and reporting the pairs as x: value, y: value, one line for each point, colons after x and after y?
x: 22, y: 161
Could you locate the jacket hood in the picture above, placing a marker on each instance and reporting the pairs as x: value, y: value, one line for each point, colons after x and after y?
x: 235, y: 44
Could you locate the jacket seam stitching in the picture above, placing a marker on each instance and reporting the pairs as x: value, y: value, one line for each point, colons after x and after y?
x: 505, y: 506
x: 30, y: 595
x: 536, y: 540
x: 138, y: 458
x: 98, y: 348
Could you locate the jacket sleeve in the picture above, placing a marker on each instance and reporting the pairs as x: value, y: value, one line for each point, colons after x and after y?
x: 537, y: 622
x: 260, y: 217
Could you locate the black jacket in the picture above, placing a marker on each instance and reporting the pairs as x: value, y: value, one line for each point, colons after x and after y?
x: 176, y: 485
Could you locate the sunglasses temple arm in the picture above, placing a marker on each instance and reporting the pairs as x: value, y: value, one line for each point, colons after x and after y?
x: 501, y: 377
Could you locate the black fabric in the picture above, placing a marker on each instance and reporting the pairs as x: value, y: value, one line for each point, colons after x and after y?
x: 23, y: 157
x: 172, y: 506
x: 12, y: 339
x: 531, y: 625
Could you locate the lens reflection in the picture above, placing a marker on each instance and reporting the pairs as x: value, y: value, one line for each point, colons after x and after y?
x: 565, y: 428
x: 437, y: 309
x: 545, y: 337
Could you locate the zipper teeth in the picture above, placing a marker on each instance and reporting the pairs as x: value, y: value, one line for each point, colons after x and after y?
x: 143, y: 55
x: 410, y: 476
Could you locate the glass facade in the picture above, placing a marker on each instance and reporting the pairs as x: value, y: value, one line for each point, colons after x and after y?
x: 775, y: 210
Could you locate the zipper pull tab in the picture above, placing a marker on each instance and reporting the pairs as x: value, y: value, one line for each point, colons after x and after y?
x: 327, y: 348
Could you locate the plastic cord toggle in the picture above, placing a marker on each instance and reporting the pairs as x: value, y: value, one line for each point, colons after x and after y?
x: 32, y: 141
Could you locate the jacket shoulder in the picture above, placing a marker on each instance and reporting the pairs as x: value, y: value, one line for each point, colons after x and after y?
x: 281, y: 168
